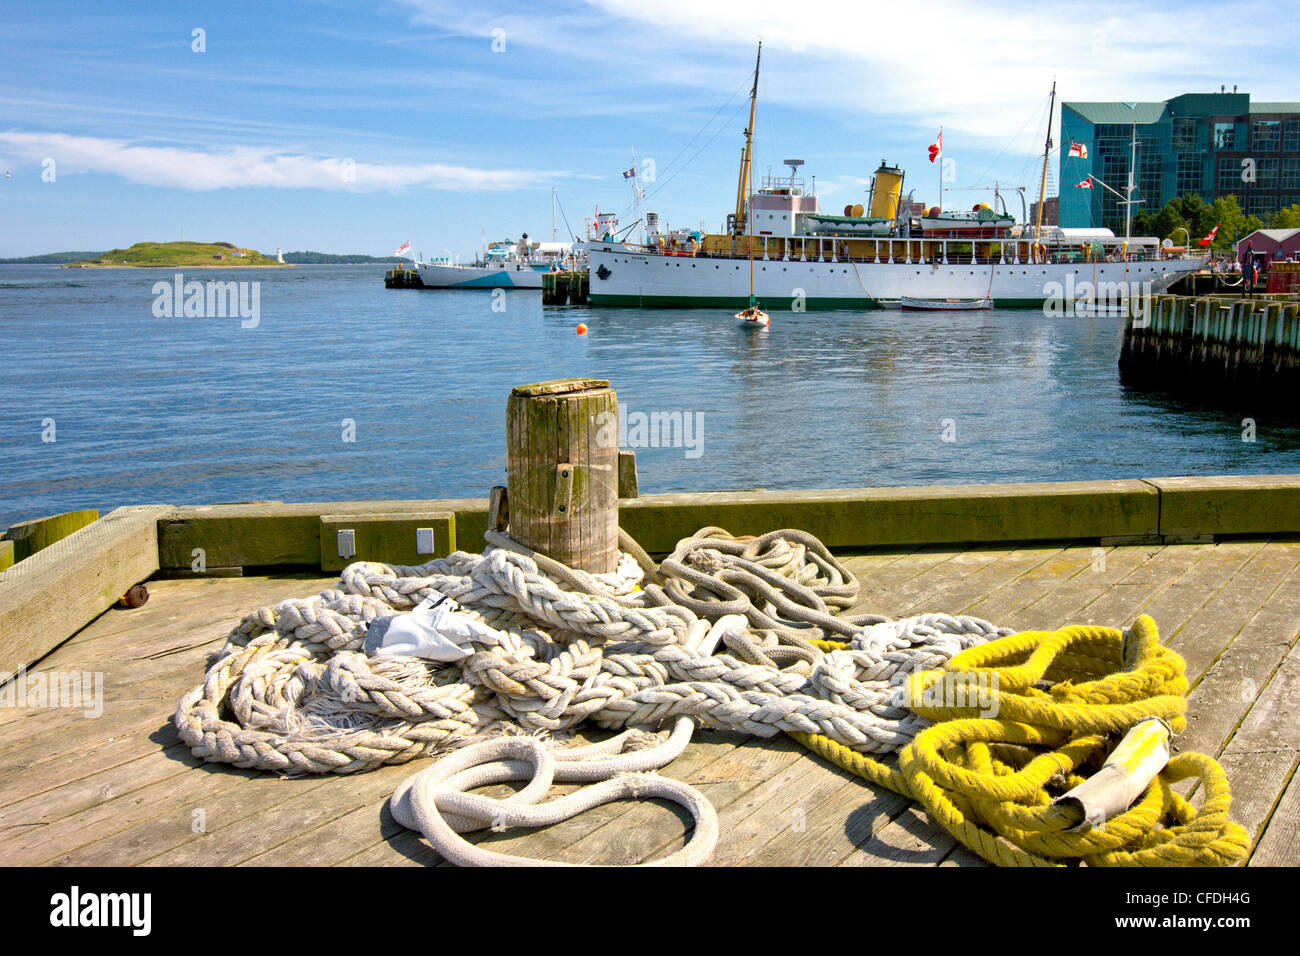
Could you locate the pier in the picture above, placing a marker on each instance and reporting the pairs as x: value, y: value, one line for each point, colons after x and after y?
x: 402, y: 279
x: 1215, y: 561
x: 565, y: 288
x: 1249, y: 347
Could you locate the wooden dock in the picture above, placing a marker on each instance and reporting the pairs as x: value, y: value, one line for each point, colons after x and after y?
x: 120, y: 789
x: 402, y: 279
x: 1233, y: 346
x: 565, y: 288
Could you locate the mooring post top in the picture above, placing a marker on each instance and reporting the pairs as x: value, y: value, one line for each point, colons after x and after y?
x: 560, y: 386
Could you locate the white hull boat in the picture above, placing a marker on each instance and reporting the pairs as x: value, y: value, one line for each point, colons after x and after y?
x: 945, y: 305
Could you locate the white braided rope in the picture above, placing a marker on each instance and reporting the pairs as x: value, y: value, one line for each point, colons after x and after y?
x: 290, y: 692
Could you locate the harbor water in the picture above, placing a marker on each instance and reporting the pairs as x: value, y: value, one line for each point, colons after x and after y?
x: 338, y: 389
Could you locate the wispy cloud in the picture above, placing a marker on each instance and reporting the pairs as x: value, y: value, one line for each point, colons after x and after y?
x: 976, y: 67
x: 247, y: 166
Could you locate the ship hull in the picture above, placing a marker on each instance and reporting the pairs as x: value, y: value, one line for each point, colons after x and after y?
x: 508, y: 276
x: 622, y: 277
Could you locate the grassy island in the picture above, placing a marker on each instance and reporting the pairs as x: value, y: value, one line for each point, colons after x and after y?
x: 168, y: 255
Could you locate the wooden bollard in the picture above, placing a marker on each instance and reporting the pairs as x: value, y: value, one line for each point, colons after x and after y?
x: 562, y: 471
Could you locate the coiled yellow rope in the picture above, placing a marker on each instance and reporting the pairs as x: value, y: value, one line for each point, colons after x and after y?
x: 1052, y: 707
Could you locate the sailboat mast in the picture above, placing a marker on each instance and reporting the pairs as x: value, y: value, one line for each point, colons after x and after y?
x: 1128, y: 193
x: 742, y: 185
x: 1042, y: 185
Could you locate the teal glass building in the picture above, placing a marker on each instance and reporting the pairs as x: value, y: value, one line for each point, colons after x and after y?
x: 1215, y: 144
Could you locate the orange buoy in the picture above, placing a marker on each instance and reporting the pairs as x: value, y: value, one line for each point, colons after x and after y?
x: 582, y: 329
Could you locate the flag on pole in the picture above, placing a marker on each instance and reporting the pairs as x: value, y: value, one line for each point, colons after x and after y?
x: 1209, y: 236
x: 1086, y: 184
x: 403, y: 249
x: 629, y: 173
x: 936, y: 148
x: 1079, y: 150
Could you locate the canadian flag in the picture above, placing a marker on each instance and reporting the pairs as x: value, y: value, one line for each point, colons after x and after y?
x: 936, y: 148
x: 403, y: 248
x: 1209, y: 236
x: 1086, y: 184
x: 1078, y: 149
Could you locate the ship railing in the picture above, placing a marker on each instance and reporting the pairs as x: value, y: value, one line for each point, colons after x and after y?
x: 921, y: 251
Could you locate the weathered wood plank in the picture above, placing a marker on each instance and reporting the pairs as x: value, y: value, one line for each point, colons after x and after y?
x: 1278, y: 845
x: 1185, y: 598
x: 1227, y: 691
x: 29, y: 537
x: 1014, y: 596
x: 54, y: 593
x: 1063, y: 605
x: 1207, y: 634
x: 957, y: 596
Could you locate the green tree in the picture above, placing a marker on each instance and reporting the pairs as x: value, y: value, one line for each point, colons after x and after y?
x: 1233, y: 223
x: 1194, y: 213
x: 1288, y: 218
x: 1169, y: 223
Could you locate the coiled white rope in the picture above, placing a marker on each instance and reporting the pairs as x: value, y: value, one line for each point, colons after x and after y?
x: 290, y: 691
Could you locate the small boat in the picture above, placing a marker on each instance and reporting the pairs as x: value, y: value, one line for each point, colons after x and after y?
x: 754, y: 317
x: 959, y: 305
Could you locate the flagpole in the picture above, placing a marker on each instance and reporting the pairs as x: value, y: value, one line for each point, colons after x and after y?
x: 636, y: 198
x: 940, y: 165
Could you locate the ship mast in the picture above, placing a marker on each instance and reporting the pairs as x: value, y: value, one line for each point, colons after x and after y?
x: 1042, y: 185
x: 742, y: 185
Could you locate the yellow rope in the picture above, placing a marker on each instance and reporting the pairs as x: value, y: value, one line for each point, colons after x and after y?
x: 1053, y: 705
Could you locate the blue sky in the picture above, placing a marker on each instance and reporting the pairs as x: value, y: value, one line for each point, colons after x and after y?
x: 350, y: 127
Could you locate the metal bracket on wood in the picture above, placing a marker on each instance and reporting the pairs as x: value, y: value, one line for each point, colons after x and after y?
x: 347, y: 543
x: 563, y: 488
x: 498, y: 508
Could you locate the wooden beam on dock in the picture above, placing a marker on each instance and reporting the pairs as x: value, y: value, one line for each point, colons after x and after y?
x: 48, y: 597
x: 28, y: 537
x: 268, y: 534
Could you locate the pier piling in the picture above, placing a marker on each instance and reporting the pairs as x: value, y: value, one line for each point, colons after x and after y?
x: 1217, y: 345
x: 562, y: 466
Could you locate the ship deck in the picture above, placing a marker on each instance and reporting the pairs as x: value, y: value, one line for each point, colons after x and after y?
x: 122, y: 790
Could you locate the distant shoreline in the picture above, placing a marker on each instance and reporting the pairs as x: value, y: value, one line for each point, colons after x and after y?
x: 195, y: 265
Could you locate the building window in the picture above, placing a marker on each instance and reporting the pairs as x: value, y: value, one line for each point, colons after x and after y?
x: 1256, y: 205
x: 1266, y: 135
x: 1266, y: 173
x: 1189, y: 174
x: 1150, y: 179
x: 1186, y: 133
x: 1291, y: 173
x: 1291, y: 136
x: 1224, y: 136
x: 1229, y: 180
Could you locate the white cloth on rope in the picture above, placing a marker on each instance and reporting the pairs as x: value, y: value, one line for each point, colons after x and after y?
x: 434, y: 631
